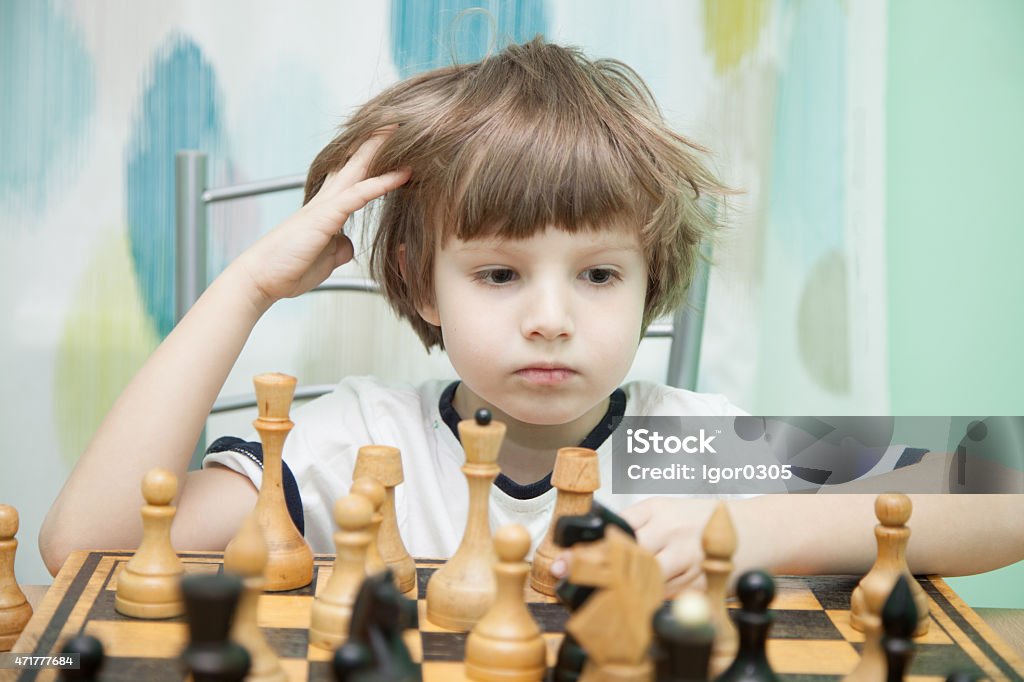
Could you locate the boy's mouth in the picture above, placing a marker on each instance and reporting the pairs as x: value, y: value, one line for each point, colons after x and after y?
x: 546, y: 375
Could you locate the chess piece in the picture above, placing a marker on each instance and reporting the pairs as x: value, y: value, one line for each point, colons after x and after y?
x: 628, y: 589
x: 506, y: 644
x: 899, y: 618
x: 90, y: 658
x: 756, y: 589
x: 372, y: 490
x: 576, y: 476
x: 874, y: 589
x: 719, y: 543
x: 375, y: 650
x: 332, y: 608
x: 290, y: 560
x: 384, y: 464
x: 15, y: 610
x: 684, y: 635
x: 210, y: 602
x: 149, y: 585
x: 460, y: 592
x: 893, y: 512
x: 572, y: 657
x: 246, y: 557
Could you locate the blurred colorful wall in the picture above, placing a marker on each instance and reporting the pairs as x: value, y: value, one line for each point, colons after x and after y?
x: 868, y: 268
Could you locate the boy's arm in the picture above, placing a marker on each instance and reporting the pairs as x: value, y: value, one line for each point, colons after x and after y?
x: 156, y: 422
x: 819, y: 534
x: 834, y: 533
x: 157, y: 419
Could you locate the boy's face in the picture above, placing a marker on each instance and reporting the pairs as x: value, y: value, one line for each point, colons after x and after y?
x: 542, y: 328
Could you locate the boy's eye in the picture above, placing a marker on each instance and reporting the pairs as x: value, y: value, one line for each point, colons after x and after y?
x: 600, y: 275
x: 497, y: 276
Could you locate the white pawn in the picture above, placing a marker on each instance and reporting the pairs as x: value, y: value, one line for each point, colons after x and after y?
x: 332, y: 608
x: 506, y: 643
x: 15, y: 610
x: 246, y: 556
x: 373, y: 491
x: 892, y: 535
x: 149, y: 585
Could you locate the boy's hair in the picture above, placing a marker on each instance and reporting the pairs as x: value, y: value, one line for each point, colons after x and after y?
x: 536, y: 135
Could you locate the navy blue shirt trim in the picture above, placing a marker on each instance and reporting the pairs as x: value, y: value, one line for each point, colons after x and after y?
x: 254, y: 451
x: 598, y: 435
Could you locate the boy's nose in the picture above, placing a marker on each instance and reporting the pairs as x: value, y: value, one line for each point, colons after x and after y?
x: 548, y: 313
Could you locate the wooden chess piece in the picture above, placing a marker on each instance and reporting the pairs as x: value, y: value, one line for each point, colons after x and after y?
x: 576, y: 476
x: 90, y: 658
x: 289, y: 559
x: 15, y: 610
x: 460, y: 592
x: 210, y: 603
x: 629, y: 590
x: 684, y: 636
x: 384, y: 464
x: 332, y: 608
x: 506, y: 645
x: 893, y: 511
x: 372, y: 491
x: 375, y: 650
x: 899, y: 618
x: 870, y: 599
x: 570, y: 531
x: 149, y: 585
x: 246, y: 557
x: 755, y: 589
x: 719, y: 542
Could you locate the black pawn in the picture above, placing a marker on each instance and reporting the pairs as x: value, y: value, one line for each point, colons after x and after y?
x: 210, y: 602
x: 90, y: 658
x: 756, y: 589
x: 899, y: 618
x: 683, y: 650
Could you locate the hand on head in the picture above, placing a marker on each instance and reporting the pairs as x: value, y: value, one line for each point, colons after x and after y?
x: 300, y: 253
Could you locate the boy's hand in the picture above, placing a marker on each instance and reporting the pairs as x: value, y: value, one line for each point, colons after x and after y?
x: 671, y: 529
x: 300, y: 253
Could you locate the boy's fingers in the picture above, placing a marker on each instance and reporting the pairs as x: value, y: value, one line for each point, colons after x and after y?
x: 637, y: 515
x: 362, y: 193
x: 679, y: 573
x: 337, y: 209
x: 651, y: 539
x: 686, y: 581
x: 357, y: 166
x: 560, y: 566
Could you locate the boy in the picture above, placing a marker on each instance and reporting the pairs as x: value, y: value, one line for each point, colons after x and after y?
x: 537, y: 215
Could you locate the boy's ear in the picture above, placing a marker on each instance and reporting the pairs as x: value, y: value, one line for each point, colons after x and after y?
x: 429, y: 314
x: 427, y: 311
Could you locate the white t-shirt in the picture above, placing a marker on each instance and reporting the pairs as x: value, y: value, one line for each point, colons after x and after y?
x: 432, y: 503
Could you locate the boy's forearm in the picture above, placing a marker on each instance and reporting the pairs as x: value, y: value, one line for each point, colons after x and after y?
x: 834, y: 533
x: 155, y: 422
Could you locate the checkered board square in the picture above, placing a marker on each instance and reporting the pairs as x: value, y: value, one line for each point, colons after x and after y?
x: 810, y: 639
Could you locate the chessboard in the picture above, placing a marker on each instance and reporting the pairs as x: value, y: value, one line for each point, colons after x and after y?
x: 810, y: 639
